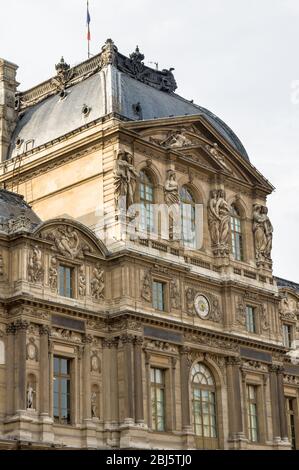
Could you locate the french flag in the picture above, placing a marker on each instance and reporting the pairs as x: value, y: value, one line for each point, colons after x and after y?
x: 88, y: 23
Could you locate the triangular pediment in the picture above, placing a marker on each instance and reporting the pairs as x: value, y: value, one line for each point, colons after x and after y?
x: 196, y: 138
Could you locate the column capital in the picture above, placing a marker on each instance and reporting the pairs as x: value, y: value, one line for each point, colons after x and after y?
x: 127, y: 338
x: 87, y: 339
x: 21, y: 324
x: 10, y: 329
x: 139, y: 340
x: 233, y: 361
x: 44, y: 330
x: 109, y: 343
x: 185, y: 350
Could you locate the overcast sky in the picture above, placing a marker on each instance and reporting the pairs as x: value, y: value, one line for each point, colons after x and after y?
x: 238, y: 58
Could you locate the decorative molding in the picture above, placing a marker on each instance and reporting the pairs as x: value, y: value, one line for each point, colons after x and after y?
x: 35, y: 265
x: 161, y: 346
x: 212, y: 342
x: 67, y: 242
x: 255, y: 365
x: 31, y: 350
x: 215, y: 313
x: 97, y: 283
x: 66, y: 335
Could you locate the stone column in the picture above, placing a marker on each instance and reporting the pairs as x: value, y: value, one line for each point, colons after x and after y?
x: 127, y: 342
x: 148, y: 387
x: 86, y: 378
x: 274, y: 403
x: 44, y: 332
x: 234, y: 398
x: 106, y: 380
x: 281, y: 402
x: 138, y: 384
x: 114, y: 382
x: 10, y: 368
x: 21, y: 328
x: 185, y: 369
x: 173, y: 387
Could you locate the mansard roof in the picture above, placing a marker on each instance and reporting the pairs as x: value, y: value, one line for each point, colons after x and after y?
x: 283, y: 283
x: 15, y: 214
x: 108, y: 83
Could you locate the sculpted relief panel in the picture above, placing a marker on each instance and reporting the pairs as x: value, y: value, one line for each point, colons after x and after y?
x: 67, y: 242
x: 203, y: 304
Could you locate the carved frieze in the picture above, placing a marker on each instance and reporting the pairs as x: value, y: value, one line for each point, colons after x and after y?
x: 67, y: 242
x: 35, y: 265
x: 66, y: 335
x: 255, y: 365
x: 146, y: 291
x: 97, y: 283
x: 161, y: 346
x: 210, y: 341
x: 213, y: 312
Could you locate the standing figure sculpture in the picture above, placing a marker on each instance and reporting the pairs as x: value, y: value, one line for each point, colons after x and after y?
x: 171, y: 189
x: 263, y: 234
x: 219, y: 218
x: 125, y: 176
x: 30, y: 393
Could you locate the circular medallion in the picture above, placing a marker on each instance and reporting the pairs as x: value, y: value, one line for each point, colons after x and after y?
x: 202, y: 306
x: 94, y: 363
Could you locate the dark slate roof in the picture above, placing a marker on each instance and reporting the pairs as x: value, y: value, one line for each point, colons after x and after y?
x: 108, y: 83
x: 289, y: 284
x: 15, y: 213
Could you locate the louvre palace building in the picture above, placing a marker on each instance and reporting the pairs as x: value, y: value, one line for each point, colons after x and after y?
x: 138, y: 306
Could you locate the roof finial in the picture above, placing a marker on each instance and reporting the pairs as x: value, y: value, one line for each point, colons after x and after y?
x: 109, y: 53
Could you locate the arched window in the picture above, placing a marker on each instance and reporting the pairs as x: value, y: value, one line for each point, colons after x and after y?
x: 204, y: 406
x: 236, y: 234
x: 187, y: 217
x: 146, y: 200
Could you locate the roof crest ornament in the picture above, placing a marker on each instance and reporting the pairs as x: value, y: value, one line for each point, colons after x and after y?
x: 109, y: 53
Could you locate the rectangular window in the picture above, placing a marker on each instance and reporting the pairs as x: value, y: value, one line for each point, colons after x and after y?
x: 159, y: 295
x: 252, y: 413
x: 291, y: 414
x: 250, y: 319
x: 287, y: 335
x: 66, y: 281
x: 236, y: 234
x: 62, y: 390
x: 158, y: 399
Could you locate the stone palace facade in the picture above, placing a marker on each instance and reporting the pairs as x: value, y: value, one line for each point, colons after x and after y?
x: 138, y: 308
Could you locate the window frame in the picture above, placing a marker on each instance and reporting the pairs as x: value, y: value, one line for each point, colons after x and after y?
x: 237, y: 236
x: 199, y: 405
x: 255, y: 402
x: 147, y: 203
x: 165, y: 288
x: 58, y: 419
x: 186, y: 202
x: 72, y: 270
x: 292, y: 423
x: 290, y: 335
x: 254, y: 320
x: 154, y: 387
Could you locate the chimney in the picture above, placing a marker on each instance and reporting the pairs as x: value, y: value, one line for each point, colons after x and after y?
x: 8, y: 115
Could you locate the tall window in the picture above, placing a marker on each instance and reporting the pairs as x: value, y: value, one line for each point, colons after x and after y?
x: 252, y: 413
x: 62, y: 390
x: 146, y: 198
x: 250, y: 319
x: 66, y: 281
x: 236, y: 234
x: 291, y: 414
x: 204, y: 402
x: 187, y: 217
x: 158, y: 399
x: 159, y: 295
x: 287, y: 335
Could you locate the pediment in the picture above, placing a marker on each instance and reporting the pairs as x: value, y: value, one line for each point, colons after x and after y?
x: 186, y: 135
x: 70, y: 239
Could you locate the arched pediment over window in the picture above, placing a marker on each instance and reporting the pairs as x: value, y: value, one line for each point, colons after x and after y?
x: 71, y: 239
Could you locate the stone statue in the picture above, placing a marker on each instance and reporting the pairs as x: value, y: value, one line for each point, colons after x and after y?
x: 94, y: 406
x: 53, y: 273
x: 67, y: 241
x: 176, y: 139
x: 171, y: 189
x: 263, y: 233
x: 35, y: 266
x: 97, y: 283
x: 30, y: 393
x: 219, y: 219
x: 125, y: 176
x: 82, y: 282
x: 146, y: 292
x: 175, y: 297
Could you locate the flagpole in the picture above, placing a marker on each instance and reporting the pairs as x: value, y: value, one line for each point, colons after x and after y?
x: 88, y: 30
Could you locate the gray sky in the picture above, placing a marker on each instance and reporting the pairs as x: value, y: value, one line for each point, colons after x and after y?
x: 238, y: 58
